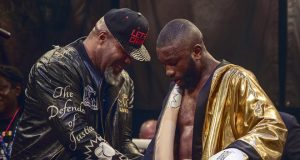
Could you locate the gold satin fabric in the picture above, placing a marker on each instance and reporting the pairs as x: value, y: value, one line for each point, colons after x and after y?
x: 239, y: 109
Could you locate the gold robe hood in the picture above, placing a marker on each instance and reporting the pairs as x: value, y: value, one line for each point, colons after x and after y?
x: 239, y: 109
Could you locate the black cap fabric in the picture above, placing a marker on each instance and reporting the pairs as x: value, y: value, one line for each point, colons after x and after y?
x: 11, y: 73
x: 130, y: 28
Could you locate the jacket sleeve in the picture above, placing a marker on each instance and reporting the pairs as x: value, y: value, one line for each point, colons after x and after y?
x: 292, y: 145
x: 256, y: 121
x: 60, y: 92
x: 127, y: 146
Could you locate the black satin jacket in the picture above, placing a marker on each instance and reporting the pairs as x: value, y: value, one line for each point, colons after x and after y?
x: 69, y: 114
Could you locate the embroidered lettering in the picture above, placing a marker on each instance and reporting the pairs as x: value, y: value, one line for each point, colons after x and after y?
x: 124, y: 110
x: 54, y: 110
x: 78, y: 137
x: 72, y: 123
x: 62, y: 92
x: 137, y: 37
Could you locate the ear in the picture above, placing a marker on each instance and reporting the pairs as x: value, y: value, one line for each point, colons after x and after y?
x: 102, y: 36
x: 197, y: 52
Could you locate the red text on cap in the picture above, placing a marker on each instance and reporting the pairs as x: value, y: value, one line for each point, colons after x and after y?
x: 137, y: 37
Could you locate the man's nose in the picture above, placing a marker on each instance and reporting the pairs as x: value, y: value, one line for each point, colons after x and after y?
x: 4, y: 91
x: 169, y: 71
x: 127, y: 60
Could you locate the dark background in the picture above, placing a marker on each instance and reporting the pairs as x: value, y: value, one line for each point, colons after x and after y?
x: 260, y: 35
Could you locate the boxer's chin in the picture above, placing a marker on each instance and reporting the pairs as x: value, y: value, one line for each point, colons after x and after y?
x: 111, y: 77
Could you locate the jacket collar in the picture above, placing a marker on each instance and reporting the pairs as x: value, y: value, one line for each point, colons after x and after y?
x: 112, y: 91
x: 95, y: 74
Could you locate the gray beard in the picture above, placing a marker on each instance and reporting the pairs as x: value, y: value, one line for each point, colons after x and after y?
x: 112, y: 78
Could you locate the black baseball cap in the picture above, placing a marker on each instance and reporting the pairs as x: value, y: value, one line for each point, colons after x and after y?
x: 11, y: 73
x: 130, y: 28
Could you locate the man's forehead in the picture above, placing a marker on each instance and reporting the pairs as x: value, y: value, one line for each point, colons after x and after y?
x: 4, y: 80
x: 168, y: 49
x: 165, y: 52
x: 172, y: 50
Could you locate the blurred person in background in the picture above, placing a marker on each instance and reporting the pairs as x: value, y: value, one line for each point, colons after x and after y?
x: 146, y: 133
x: 147, y: 129
x: 11, y: 101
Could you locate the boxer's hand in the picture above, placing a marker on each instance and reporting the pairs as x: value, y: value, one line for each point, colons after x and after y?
x: 229, y: 154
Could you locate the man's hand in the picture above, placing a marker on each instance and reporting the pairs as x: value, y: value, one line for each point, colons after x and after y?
x: 106, y: 152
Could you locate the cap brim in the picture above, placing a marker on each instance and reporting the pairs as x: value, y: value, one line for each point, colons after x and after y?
x: 140, y: 54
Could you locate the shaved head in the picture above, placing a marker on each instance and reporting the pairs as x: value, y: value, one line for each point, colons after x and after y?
x: 180, y: 31
x: 99, y: 26
x: 181, y: 50
x: 148, y: 129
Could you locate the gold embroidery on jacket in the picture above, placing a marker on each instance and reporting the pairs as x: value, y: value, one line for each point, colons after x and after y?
x: 123, y: 103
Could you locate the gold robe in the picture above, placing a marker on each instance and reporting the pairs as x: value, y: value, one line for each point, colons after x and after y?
x: 239, y: 109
